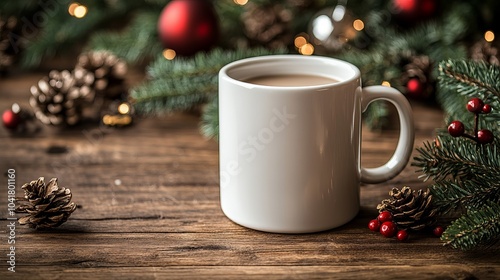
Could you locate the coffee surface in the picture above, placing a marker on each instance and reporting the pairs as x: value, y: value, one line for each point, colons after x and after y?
x: 291, y: 80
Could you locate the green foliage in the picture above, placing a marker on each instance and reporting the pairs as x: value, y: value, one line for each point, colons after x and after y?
x: 184, y: 83
x: 466, y: 174
x: 461, y: 80
x: 140, y: 33
x: 459, y: 158
x: 477, y: 227
x: 210, y: 120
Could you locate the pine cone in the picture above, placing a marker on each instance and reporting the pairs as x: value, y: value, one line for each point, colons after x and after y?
x: 8, y: 44
x: 484, y: 51
x: 268, y: 25
x: 48, y: 205
x: 59, y: 98
x: 420, y: 67
x: 109, y: 72
x: 410, y: 209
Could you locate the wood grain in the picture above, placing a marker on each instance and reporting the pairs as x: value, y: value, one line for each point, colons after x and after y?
x: 149, y: 200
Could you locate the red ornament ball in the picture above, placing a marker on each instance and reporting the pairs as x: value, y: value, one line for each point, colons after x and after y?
x: 475, y: 105
x: 388, y: 229
x: 411, y: 10
x: 384, y: 216
x: 188, y: 26
x: 374, y: 225
x: 486, y: 109
x: 485, y: 136
x: 10, y: 119
x: 402, y: 235
x: 438, y: 231
x: 414, y: 87
x: 456, y: 129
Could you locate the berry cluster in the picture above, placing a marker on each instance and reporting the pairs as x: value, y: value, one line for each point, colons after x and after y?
x: 386, y: 226
x: 483, y: 136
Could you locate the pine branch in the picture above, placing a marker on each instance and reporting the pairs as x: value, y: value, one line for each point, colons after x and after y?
x: 470, y: 78
x: 186, y: 82
x: 210, y: 120
x: 461, y: 80
x: 458, y: 158
x: 471, y: 194
x: 476, y: 227
x: 137, y: 42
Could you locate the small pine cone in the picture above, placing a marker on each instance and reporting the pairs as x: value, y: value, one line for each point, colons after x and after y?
x: 268, y: 25
x: 484, y: 51
x: 8, y: 44
x: 411, y: 210
x: 420, y: 67
x: 48, y: 205
x: 59, y: 98
x: 109, y: 72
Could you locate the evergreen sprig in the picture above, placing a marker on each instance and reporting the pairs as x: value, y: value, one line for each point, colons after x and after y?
x: 141, y: 34
x: 461, y: 80
x: 466, y: 173
x: 210, y: 120
x: 187, y: 82
x: 458, y: 158
x: 477, y: 227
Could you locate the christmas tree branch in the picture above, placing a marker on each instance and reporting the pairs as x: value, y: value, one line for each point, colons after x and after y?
x: 470, y: 78
x: 471, y: 194
x: 476, y: 227
x: 458, y: 158
x: 141, y: 34
x: 461, y: 80
x: 186, y: 82
x: 210, y: 120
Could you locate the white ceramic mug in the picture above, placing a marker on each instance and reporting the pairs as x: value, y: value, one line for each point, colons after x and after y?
x: 290, y: 156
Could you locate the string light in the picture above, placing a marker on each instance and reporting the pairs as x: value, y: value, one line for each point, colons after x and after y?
x: 299, y: 41
x: 72, y: 7
x: 358, y: 25
x: 124, y: 109
x: 77, y: 10
x: 169, y: 54
x: 80, y: 11
x: 386, y: 84
x: 307, y: 49
x: 489, y: 36
x: 240, y: 2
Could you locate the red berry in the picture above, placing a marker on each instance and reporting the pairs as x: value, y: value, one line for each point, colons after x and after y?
x: 384, y: 216
x: 414, y: 87
x: 486, y: 108
x: 402, y: 235
x: 475, y: 105
x: 456, y: 128
x: 485, y: 136
x: 438, y: 231
x: 374, y: 225
x: 10, y: 119
x: 388, y: 229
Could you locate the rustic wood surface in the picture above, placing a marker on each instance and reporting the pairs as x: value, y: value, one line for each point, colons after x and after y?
x: 149, y: 200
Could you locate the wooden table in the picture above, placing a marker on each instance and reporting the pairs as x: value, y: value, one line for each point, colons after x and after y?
x: 149, y: 200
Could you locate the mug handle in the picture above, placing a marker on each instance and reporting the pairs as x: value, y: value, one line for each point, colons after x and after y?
x: 404, y: 148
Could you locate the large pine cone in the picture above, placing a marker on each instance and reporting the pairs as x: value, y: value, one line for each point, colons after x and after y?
x: 48, y: 205
x: 485, y: 51
x: 59, y: 98
x: 410, y: 209
x: 109, y: 72
x: 268, y: 25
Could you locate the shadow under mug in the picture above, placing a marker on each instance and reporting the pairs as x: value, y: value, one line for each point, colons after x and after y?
x: 290, y: 155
